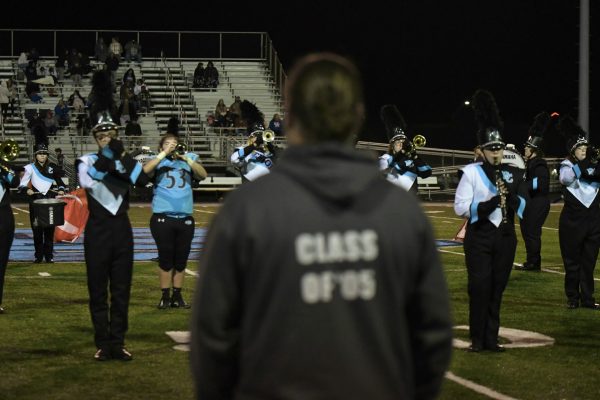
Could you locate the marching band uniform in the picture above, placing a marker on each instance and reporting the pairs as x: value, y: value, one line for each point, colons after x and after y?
x: 490, y: 241
x: 172, y: 223
x: 8, y: 179
x: 106, y: 177
x: 401, y: 164
x: 40, y: 182
x: 253, y: 161
x: 579, y: 223
x: 403, y: 170
x: 537, y: 178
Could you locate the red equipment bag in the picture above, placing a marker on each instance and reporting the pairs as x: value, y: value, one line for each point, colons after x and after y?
x: 76, y: 215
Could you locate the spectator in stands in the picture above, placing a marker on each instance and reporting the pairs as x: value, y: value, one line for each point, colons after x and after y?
x: 76, y: 101
x: 31, y: 71
x: 13, y: 95
x: 129, y: 77
x: 133, y: 130
x: 276, y: 125
x: 127, y: 108
x: 84, y: 125
x: 50, y: 123
x: 112, y: 65
x: 22, y: 61
x: 52, y: 73
x: 32, y: 90
x: 221, y: 114
x: 101, y: 51
x: 62, y: 113
x: 199, y: 76
x: 4, y: 99
x: 60, y: 158
x: 73, y: 57
x: 210, y: 119
x: 61, y: 64
x: 86, y: 66
x: 211, y: 75
x: 235, y: 111
x: 76, y: 70
x: 38, y: 130
x: 133, y: 51
x: 116, y: 48
x: 34, y: 55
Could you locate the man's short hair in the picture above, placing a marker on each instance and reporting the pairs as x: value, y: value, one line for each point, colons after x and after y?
x: 325, y: 98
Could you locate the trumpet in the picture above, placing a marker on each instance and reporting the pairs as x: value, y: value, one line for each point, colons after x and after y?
x: 417, y: 141
x: 181, y: 149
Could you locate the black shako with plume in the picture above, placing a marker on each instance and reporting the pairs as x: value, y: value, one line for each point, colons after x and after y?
x: 395, y: 126
x: 102, y: 109
x: 173, y: 126
x: 487, y: 117
x: 255, y: 121
x: 574, y: 135
x: 540, y: 125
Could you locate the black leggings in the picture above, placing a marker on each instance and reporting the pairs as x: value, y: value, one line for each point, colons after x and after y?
x: 173, y: 237
x: 7, y: 233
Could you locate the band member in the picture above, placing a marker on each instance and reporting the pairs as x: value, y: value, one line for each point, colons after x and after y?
x: 401, y: 163
x: 42, y: 180
x: 172, y: 223
x: 487, y: 196
x: 8, y: 180
x: 579, y: 223
x: 338, y: 277
x: 257, y: 157
x: 538, y: 185
x: 106, y: 177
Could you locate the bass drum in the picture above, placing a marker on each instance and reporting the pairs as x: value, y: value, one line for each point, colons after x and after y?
x: 513, y: 158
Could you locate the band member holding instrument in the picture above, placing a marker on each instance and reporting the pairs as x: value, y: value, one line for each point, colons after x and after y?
x: 8, y: 180
x: 579, y: 223
x: 172, y: 223
x: 42, y: 180
x: 487, y: 196
x: 333, y: 290
x: 257, y: 157
x: 538, y: 185
x: 106, y: 177
x: 401, y: 163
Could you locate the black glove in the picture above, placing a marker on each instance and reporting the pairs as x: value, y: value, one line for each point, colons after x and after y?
x: 104, y: 164
x: 117, y: 148
x: 399, y: 157
x: 249, y: 149
x: 485, y: 208
x: 271, y: 147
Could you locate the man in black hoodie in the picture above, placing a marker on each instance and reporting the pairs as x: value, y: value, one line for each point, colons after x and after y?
x: 335, y: 290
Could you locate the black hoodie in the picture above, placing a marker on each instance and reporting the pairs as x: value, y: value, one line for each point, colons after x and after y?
x: 320, y: 280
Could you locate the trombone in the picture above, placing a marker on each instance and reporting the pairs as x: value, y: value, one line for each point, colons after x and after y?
x: 417, y: 141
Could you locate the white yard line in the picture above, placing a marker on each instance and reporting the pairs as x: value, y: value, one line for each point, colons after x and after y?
x: 204, y: 211
x: 484, y: 390
x: 190, y: 272
x: 20, y: 209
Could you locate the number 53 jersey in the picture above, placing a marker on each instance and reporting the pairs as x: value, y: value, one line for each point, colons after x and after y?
x: 173, y: 187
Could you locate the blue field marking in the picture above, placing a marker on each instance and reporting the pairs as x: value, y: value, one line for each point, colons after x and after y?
x: 144, y: 247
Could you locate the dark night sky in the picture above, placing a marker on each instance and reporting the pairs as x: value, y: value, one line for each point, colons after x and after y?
x: 425, y: 56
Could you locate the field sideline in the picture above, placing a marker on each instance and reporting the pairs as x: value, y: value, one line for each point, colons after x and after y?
x: 46, y: 338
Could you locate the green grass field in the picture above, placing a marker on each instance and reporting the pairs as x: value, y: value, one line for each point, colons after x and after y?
x: 46, y: 337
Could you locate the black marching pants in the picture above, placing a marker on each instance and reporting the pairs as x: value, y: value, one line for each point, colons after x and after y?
x: 108, y: 248
x: 531, y: 227
x: 489, y: 255
x: 43, y: 237
x: 7, y: 234
x: 579, y: 237
x: 173, y: 237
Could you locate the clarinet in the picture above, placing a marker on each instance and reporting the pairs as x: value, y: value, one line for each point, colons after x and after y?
x: 502, y: 191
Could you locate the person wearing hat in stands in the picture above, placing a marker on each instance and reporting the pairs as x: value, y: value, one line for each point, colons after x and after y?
x: 107, y: 177
x: 538, y: 185
x: 172, y: 223
x: 41, y: 180
x: 257, y: 157
x: 579, y: 223
x: 401, y: 164
x: 487, y: 196
x: 8, y: 179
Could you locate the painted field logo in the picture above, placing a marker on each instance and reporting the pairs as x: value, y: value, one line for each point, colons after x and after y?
x: 517, y: 338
